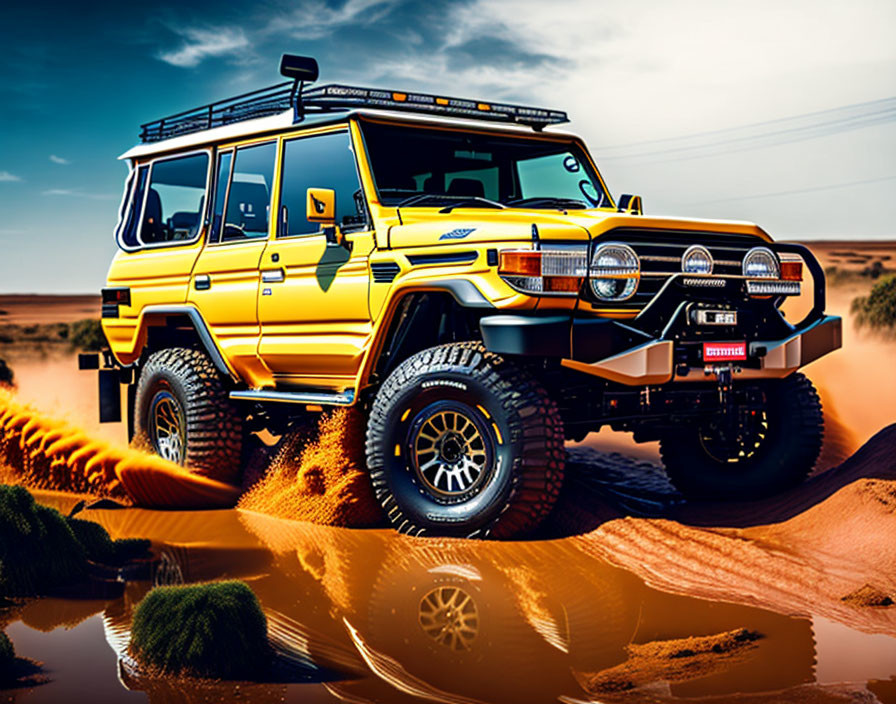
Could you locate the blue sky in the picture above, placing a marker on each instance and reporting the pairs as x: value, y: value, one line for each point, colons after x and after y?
x: 779, y: 112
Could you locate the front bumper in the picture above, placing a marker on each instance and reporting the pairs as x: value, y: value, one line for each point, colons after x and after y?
x: 619, y: 353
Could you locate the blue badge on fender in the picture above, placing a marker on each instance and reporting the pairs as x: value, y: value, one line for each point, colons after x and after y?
x: 457, y: 234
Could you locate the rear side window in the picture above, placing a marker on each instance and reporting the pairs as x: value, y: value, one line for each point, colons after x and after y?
x: 175, y: 200
x: 127, y: 233
x: 323, y: 161
x: 249, y: 195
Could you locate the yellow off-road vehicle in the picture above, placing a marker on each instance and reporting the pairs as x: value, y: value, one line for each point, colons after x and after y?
x: 461, y: 272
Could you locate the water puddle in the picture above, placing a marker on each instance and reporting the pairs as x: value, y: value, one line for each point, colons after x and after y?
x: 372, y: 616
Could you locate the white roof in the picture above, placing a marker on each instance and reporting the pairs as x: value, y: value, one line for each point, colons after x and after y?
x: 284, y: 121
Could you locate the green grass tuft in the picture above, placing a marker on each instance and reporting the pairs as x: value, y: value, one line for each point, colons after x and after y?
x: 97, y: 544
x: 207, y: 630
x: 99, y: 547
x: 878, y: 308
x: 38, y: 551
x: 42, y: 550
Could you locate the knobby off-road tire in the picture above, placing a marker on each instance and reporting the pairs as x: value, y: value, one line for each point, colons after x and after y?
x: 181, y: 387
x: 482, y: 413
x: 783, y: 458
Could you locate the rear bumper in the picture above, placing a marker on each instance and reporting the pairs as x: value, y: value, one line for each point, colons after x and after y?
x: 620, y: 353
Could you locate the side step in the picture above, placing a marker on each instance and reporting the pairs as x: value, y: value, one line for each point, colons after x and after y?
x: 346, y: 398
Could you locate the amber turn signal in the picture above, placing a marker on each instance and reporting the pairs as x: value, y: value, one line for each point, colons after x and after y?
x: 520, y: 263
x: 792, y: 271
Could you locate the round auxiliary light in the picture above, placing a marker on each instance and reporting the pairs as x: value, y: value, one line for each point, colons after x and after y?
x: 615, y: 269
x: 761, y: 263
x: 696, y: 260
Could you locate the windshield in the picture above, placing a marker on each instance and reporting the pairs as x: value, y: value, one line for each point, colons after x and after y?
x: 426, y: 167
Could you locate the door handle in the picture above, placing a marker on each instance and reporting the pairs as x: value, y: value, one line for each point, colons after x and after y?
x: 272, y: 276
x: 202, y: 282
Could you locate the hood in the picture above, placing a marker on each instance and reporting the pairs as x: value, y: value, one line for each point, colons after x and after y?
x: 425, y: 227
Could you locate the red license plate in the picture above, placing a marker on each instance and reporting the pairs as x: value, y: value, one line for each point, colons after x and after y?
x: 724, y: 351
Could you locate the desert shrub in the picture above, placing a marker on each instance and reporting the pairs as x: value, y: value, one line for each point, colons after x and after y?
x: 206, y: 630
x: 38, y: 551
x: 87, y: 335
x: 99, y: 547
x: 878, y: 308
x: 6, y: 375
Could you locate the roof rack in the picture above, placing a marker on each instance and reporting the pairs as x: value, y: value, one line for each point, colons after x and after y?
x: 335, y: 98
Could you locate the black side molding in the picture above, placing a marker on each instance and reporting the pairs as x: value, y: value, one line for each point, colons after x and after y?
x: 443, y: 258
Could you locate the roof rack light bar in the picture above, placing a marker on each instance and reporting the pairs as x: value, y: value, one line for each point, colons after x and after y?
x: 340, y: 96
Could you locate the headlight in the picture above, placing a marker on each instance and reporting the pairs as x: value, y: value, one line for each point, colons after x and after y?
x: 761, y: 263
x: 615, y: 270
x: 696, y: 260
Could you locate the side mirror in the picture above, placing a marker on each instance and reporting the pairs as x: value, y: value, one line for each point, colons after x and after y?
x: 630, y: 204
x: 321, y: 206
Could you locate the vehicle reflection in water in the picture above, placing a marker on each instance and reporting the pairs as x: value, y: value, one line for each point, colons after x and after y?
x: 375, y: 616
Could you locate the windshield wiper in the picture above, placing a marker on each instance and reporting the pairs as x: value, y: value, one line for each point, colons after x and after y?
x: 455, y: 201
x: 549, y: 202
x: 472, y: 200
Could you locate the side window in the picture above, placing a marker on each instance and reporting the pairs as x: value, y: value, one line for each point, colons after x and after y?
x: 322, y: 161
x: 221, y: 180
x: 127, y: 234
x: 249, y: 196
x: 175, y: 200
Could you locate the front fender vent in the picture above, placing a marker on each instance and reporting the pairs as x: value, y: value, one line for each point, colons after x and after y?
x: 384, y: 272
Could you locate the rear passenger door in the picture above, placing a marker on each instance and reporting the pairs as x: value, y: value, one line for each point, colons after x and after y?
x: 224, y: 285
x: 312, y: 304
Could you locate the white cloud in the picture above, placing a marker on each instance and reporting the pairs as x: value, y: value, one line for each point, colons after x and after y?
x: 74, y: 193
x: 59, y: 160
x: 630, y: 71
x: 201, y: 43
x: 6, y: 176
x: 313, y: 19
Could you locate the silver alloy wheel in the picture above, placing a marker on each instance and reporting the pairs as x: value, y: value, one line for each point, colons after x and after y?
x: 167, y: 427
x: 450, y: 617
x: 449, y: 452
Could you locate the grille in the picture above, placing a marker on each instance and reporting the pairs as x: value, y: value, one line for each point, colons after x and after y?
x: 384, y: 272
x: 660, y: 253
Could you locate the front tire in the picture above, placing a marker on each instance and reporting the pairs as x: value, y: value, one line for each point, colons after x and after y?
x: 461, y: 442
x: 777, y: 454
x: 183, y: 411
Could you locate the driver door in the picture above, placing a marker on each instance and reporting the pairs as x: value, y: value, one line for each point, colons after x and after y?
x: 312, y: 303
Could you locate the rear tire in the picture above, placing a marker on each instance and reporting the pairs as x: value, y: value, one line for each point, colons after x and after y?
x: 461, y: 442
x: 183, y: 412
x: 703, y: 465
